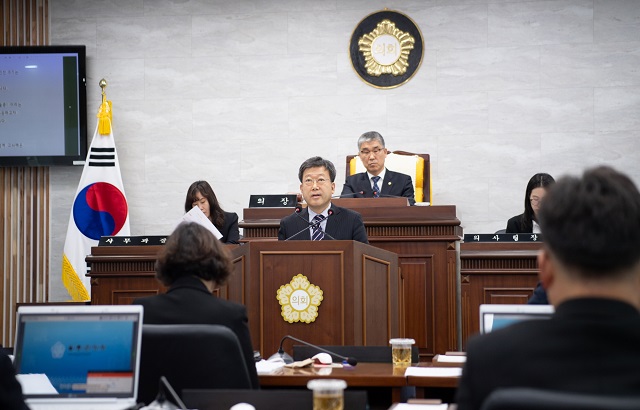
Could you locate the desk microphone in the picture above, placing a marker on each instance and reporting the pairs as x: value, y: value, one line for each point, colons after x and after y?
x: 281, y: 353
x: 311, y: 225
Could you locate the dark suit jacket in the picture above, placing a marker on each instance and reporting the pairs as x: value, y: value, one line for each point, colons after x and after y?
x: 515, y: 225
x: 343, y: 224
x: 588, y: 346
x: 230, y: 231
x: 10, y: 390
x: 394, y: 184
x: 189, y: 302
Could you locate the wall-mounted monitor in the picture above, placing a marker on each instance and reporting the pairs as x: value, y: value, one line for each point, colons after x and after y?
x: 43, y: 105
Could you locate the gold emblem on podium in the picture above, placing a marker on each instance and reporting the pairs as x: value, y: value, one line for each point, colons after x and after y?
x: 299, y: 300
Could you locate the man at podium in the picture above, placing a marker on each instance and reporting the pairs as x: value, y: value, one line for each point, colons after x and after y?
x: 321, y: 220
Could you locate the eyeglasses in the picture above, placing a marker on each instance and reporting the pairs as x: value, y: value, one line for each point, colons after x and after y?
x: 375, y: 151
x: 319, y: 181
x: 535, y: 200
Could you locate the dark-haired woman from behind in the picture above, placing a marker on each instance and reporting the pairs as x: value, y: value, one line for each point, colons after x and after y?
x: 201, y: 194
x: 536, y: 190
x: 191, y: 264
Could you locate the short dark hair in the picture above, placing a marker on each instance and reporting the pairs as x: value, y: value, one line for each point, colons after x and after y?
x: 540, y: 180
x: 216, y: 213
x: 192, y: 250
x: 592, y: 223
x: 370, y: 136
x: 314, y: 162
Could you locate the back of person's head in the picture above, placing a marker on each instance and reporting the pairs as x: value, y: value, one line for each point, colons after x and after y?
x: 370, y: 136
x: 315, y: 162
x: 591, y: 224
x: 192, y: 250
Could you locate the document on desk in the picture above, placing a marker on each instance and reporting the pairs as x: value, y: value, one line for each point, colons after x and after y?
x: 443, y: 358
x: 411, y: 406
x: 35, y: 383
x: 434, y: 371
x: 268, y: 367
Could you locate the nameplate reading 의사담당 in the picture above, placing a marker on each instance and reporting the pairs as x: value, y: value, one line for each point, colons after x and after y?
x: 503, y: 237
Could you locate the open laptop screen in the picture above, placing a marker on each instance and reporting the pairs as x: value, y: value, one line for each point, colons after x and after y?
x: 495, y: 316
x: 88, y: 351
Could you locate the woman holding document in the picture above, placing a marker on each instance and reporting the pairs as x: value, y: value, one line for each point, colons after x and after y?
x: 201, y: 194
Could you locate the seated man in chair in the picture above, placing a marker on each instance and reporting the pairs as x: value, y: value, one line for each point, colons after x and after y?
x: 377, y: 181
x: 590, y: 268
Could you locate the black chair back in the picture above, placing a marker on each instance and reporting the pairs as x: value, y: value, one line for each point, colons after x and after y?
x: 278, y: 399
x: 190, y: 356
x: 363, y: 354
x: 537, y: 399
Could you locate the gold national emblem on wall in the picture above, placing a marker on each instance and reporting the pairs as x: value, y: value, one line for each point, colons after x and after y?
x: 299, y: 300
x: 386, y: 49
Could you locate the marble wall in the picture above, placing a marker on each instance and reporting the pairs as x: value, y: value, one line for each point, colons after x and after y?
x: 240, y: 92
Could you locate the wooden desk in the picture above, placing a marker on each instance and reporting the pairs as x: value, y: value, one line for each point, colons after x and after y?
x: 363, y: 375
x: 492, y: 272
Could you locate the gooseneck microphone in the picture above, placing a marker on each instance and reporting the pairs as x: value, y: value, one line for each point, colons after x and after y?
x: 281, y: 353
x: 310, y: 225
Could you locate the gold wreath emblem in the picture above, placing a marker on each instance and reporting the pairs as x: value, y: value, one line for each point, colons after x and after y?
x: 386, y: 49
x: 299, y: 300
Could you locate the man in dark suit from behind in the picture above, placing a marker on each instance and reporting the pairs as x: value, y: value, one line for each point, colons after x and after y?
x: 321, y: 219
x: 372, y: 153
x: 590, y: 268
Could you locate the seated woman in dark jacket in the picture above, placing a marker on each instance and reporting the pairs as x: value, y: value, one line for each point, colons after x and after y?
x: 192, y: 263
x: 527, y: 221
x: 536, y: 190
x: 201, y: 194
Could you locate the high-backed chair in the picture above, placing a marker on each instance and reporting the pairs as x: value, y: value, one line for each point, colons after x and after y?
x: 190, y: 356
x: 517, y: 398
x: 363, y: 354
x: 418, y: 166
x: 265, y: 399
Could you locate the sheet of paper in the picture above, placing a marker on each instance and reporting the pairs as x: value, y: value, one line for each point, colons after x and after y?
x: 407, y: 406
x: 36, y: 383
x: 434, y: 371
x: 443, y: 358
x: 197, y: 216
x: 268, y: 367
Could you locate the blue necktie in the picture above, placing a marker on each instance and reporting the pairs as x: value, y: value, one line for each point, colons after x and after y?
x: 318, y: 233
x: 376, y: 188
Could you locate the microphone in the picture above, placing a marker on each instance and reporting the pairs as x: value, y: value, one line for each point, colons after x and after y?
x: 311, y: 225
x: 281, y: 353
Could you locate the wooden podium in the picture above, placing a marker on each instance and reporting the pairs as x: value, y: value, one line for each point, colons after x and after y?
x: 359, y: 284
x: 425, y: 238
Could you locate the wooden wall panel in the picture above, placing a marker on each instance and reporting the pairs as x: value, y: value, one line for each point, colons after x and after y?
x: 24, y: 191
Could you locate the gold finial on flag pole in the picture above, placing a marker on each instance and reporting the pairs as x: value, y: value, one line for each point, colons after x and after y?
x: 104, y: 113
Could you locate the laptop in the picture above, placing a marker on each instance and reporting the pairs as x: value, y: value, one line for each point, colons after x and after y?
x: 495, y: 316
x: 79, y: 357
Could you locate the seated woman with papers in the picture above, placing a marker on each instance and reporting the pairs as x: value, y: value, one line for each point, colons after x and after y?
x: 201, y: 195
